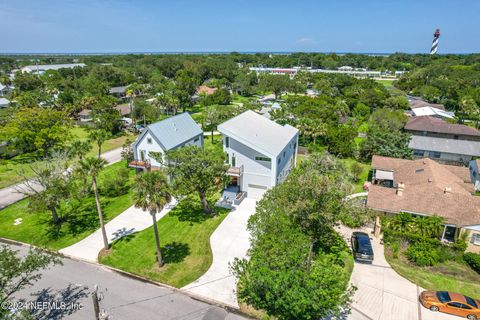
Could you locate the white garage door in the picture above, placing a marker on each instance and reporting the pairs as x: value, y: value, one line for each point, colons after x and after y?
x: 255, y: 191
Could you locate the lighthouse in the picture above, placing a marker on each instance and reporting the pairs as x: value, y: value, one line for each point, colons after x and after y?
x: 436, y: 36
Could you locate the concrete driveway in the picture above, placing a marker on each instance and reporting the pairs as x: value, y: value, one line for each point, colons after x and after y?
x: 382, y: 294
x: 130, y: 221
x: 229, y: 241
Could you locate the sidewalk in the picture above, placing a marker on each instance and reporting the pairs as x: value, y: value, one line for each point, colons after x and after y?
x: 229, y: 241
x: 130, y: 221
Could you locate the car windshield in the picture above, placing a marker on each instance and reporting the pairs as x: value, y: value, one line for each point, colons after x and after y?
x: 443, y: 296
x: 471, y: 302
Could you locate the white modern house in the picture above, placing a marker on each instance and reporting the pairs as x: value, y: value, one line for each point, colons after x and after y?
x: 4, y: 102
x: 261, y: 153
x: 160, y: 137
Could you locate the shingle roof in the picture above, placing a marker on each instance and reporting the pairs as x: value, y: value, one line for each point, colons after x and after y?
x: 174, y: 131
x: 206, y: 90
x: 463, y: 147
x: 124, y: 109
x: 431, y: 124
x: 424, y: 190
x: 419, y: 103
x: 256, y: 130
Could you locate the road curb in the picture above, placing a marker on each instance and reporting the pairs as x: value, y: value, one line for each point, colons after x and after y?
x: 133, y: 276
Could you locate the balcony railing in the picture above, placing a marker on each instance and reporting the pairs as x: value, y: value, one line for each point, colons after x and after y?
x: 139, y: 164
x: 235, y: 171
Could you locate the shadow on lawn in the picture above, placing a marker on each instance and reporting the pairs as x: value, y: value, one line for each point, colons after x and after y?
x: 175, y: 252
x: 190, y: 210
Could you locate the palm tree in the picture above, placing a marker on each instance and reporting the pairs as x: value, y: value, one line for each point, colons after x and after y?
x: 402, y: 222
x: 152, y: 193
x: 79, y: 149
x: 92, y: 167
x: 99, y: 136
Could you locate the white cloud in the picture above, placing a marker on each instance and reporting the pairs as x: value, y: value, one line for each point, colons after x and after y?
x: 306, y: 40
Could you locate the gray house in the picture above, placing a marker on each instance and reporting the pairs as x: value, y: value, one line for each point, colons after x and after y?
x: 261, y: 153
x: 163, y: 136
x: 474, y: 167
x: 444, y: 142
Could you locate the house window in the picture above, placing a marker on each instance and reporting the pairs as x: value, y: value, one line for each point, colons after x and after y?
x: 435, y: 154
x: 149, y: 140
x: 278, y: 161
x: 196, y: 139
x: 227, y: 142
x: 284, y: 154
x: 455, y: 137
x: 418, y: 153
x: 476, y: 239
x: 259, y: 158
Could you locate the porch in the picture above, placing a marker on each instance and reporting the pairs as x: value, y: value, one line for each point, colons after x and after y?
x: 138, y: 164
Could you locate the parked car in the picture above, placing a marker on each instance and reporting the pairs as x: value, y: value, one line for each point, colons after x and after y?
x: 362, y: 247
x: 450, y: 302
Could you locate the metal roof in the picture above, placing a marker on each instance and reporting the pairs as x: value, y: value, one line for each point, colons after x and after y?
x: 121, y: 89
x: 430, y: 111
x: 464, y: 147
x: 174, y: 131
x: 259, y: 132
x: 4, y: 102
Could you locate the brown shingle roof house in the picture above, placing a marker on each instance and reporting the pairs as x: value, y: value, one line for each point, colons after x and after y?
x: 425, y: 187
x: 434, y: 125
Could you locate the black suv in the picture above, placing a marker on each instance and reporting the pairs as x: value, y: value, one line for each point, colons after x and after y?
x: 362, y: 247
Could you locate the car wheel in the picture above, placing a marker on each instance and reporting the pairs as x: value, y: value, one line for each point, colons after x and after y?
x: 434, y: 308
x: 472, y: 317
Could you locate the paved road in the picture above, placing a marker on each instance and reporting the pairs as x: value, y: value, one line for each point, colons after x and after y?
x: 124, y: 298
x: 10, y: 194
x: 130, y: 221
x: 383, y: 294
x: 230, y: 240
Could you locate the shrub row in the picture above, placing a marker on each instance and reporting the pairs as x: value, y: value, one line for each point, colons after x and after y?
x: 473, y: 260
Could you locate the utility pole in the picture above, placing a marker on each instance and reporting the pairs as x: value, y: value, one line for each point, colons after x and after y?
x: 96, y: 305
x: 96, y: 297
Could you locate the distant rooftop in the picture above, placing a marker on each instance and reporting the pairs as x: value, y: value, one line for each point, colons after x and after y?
x: 45, y: 67
x: 121, y: 89
x: 464, y: 147
x: 431, y: 111
x: 432, y: 124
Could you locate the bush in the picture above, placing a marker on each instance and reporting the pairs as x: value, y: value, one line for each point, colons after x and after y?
x: 395, y: 247
x: 473, y: 260
x: 423, y: 254
x: 116, y: 185
x: 447, y: 253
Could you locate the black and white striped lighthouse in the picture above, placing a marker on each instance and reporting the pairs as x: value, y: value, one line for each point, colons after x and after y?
x: 436, y: 36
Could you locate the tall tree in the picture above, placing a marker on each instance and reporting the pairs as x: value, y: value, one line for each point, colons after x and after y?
x: 50, y: 184
x: 194, y: 171
x: 92, y: 167
x: 99, y: 136
x: 17, y: 273
x: 152, y: 193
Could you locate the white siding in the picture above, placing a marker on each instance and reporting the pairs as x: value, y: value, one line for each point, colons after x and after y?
x: 287, y: 161
x: 255, y: 172
x: 143, y: 145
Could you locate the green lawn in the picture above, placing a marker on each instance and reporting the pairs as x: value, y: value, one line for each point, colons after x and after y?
x: 386, y: 83
x: 185, y: 239
x: 10, y: 169
x: 363, y: 176
x: 449, y: 276
x: 81, y: 218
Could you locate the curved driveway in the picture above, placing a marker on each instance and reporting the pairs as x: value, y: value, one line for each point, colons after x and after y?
x: 229, y: 241
x: 382, y: 294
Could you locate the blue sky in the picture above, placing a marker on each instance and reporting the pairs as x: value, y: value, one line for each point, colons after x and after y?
x: 238, y: 25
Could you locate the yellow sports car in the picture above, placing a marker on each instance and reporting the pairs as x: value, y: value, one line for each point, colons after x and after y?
x: 450, y: 302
